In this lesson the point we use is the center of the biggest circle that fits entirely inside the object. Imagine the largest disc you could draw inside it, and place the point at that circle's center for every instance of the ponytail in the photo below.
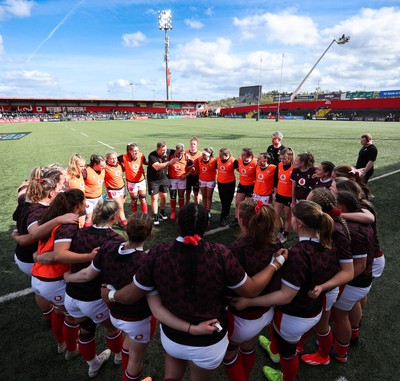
(326, 230)
(312, 217)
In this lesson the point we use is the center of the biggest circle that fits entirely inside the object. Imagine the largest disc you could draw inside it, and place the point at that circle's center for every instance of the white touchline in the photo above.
(14, 295)
(217, 230)
(385, 175)
(104, 144)
(84, 134)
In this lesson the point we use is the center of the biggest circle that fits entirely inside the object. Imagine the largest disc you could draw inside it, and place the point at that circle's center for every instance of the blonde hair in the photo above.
(73, 169)
(43, 181)
(104, 211)
(111, 153)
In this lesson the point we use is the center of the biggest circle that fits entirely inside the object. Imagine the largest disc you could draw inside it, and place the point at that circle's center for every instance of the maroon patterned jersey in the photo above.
(118, 266)
(253, 261)
(27, 214)
(35, 213)
(166, 269)
(304, 182)
(319, 183)
(308, 265)
(369, 207)
(65, 233)
(342, 242)
(362, 245)
(85, 241)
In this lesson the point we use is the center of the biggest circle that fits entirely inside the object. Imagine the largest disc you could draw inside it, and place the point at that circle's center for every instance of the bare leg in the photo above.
(174, 368)
(154, 204)
(200, 374)
(163, 200)
(288, 219)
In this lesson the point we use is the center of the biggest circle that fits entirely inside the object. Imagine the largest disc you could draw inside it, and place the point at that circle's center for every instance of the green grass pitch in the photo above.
(27, 348)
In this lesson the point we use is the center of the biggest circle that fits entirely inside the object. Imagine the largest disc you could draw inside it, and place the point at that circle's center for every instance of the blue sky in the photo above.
(114, 49)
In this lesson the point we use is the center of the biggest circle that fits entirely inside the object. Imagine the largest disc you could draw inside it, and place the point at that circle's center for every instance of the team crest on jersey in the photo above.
(139, 337)
(82, 184)
(260, 176)
(302, 182)
(283, 177)
(58, 298)
(117, 173)
(204, 169)
(243, 171)
(135, 167)
(100, 181)
(222, 168)
(177, 167)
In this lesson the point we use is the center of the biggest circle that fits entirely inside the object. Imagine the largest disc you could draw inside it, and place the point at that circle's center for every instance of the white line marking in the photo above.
(84, 134)
(104, 144)
(14, 295)
(73, 129)
(217, 230)
(385, 175)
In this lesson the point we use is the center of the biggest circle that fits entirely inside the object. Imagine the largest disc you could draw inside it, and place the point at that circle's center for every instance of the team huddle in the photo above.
(212, 300)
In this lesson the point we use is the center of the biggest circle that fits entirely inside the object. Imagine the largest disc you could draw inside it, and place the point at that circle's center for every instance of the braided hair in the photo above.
(327, 201)
(192, 221)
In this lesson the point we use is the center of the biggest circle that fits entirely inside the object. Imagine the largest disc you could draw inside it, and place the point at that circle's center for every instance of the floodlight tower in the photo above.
(340, 41)
(165, 24)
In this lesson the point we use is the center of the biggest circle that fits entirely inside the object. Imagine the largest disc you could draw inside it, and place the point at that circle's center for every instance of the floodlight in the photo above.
(343, 40)
(165, 24)
(165, 20)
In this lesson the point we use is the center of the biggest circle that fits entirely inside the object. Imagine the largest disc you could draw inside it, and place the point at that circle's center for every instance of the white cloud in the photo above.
(17, 8)
(209, 11)
(133, 40)
(372, 53)
(118, 84)
(29, 79)
(151, 12)
(195, 24)
(286, 27)
(371, 30)
(210, 58)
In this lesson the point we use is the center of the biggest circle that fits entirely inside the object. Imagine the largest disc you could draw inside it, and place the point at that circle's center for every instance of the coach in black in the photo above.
(367, 156)
(276, 147)
(157, 179)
